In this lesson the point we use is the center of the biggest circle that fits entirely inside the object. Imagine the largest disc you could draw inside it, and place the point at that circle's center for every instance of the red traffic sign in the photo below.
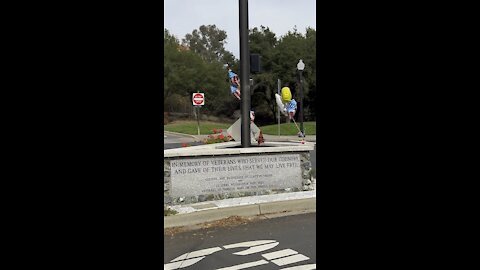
(198, 99)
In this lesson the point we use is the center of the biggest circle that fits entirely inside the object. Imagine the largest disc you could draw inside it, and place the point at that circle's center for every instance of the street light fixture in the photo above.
(301, 67)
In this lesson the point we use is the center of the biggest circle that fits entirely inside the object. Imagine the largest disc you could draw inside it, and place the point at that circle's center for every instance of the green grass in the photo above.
(289, 128)
(190, 127)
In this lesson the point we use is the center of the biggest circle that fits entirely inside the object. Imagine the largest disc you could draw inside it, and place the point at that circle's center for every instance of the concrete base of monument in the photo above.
(214, 172)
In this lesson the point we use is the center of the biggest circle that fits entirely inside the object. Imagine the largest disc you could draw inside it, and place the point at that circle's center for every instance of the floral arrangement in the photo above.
(217, 137)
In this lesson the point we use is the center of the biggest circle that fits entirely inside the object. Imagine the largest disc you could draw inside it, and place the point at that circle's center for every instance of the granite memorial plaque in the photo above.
(229, 174)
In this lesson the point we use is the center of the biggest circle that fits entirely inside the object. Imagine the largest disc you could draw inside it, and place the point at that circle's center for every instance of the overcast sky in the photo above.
(183, 16)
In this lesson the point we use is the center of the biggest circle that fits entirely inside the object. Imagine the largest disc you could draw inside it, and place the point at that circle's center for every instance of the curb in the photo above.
(202, 216)
(308, 141)
(292, 138)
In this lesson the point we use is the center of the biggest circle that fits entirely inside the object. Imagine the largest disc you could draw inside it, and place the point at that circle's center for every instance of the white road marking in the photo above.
(202, 252)
(181, 264)
(244, 265)
(302, 267)
(290, 259)
(279, 254)
(256, 249)
(280, 258)
(249, 244)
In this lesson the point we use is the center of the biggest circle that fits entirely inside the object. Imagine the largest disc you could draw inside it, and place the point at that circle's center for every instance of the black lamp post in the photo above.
(244, 73)
(300, 67)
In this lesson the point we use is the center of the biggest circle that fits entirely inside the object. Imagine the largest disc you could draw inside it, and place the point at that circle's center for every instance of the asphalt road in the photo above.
(287, 242)
(171, 141)
(174, 138)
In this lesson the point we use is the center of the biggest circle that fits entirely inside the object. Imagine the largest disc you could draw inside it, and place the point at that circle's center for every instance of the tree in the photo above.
(263, 42)
(170, 45)
(180, 68)
(292, 47)
(197, 64)
(186, 72)
(209, 41)
(311, 61)
(279, 61)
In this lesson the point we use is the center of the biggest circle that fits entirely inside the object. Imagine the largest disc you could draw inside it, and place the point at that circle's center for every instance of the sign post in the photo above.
(198, 100)
(278, 110)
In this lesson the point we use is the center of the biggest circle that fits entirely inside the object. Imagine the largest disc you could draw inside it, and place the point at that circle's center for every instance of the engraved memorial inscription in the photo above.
(228, 174)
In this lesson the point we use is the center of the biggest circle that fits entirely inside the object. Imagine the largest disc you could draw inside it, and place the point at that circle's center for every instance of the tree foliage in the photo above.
(196, 64)
(279, 61)
(186, 72)
(209, 42)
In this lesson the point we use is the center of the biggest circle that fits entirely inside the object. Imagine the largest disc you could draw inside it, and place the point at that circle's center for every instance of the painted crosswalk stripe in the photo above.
(290, 259)
(279, 254)
(181, 264)
(302, 267)
(249, 244)
(256, 249)
(244, 265)
(202, 252)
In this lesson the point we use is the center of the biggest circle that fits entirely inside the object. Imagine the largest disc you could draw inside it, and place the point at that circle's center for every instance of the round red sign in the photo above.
(198, 99)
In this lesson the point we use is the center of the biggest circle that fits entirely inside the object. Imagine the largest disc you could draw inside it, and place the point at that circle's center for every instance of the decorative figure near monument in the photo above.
(234, 83)
(235, 130)
(235, 88)
(288, 106)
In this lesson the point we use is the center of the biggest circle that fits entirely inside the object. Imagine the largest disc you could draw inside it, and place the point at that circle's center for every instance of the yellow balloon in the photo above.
(286, 94)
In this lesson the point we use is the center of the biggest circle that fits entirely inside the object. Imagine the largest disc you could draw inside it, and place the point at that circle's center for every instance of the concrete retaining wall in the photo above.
(204, 173)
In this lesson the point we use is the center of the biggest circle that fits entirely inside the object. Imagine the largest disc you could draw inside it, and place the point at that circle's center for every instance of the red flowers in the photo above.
(217, 138)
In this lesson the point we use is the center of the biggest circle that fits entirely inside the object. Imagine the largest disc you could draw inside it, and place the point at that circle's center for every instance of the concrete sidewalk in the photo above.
(193, 214)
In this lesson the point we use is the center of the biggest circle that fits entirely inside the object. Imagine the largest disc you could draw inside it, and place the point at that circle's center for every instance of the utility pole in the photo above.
(244, 73)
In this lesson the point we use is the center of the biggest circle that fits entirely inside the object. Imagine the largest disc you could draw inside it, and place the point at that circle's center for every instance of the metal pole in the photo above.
(198, 120)
(278, 109)
(244, 73)
(301, 105)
